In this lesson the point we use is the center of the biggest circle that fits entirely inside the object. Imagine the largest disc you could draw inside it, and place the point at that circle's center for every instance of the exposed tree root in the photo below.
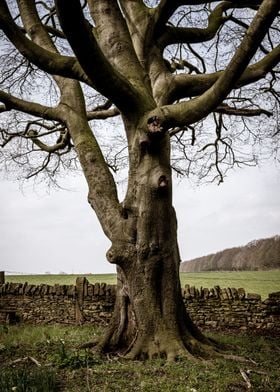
(236, 358)
(91, 344)
(143, 347)
(156, 325)
(172, 349)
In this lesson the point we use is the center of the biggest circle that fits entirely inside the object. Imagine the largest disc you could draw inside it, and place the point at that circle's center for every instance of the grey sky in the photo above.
(56, 232)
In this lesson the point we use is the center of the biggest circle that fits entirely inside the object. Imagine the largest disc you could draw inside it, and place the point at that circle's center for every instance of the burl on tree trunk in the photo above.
(150, 318)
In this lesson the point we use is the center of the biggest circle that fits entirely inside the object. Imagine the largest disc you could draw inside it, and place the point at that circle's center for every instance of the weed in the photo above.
(73, 359)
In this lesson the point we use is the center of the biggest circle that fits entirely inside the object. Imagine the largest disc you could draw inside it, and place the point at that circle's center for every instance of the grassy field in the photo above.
(46, 359)
(260, 282)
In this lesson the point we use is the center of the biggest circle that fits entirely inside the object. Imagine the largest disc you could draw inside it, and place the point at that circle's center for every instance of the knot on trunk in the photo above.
(154, 127)
(90, 158)
(120, 253)
(162, 182)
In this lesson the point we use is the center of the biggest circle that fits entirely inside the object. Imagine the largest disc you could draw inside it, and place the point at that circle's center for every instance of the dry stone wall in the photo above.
(224, 308)
(93, 303)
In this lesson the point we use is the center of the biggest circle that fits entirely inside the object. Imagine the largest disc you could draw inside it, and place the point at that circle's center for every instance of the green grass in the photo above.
(66, 368)
(260, 282)
(25, 379)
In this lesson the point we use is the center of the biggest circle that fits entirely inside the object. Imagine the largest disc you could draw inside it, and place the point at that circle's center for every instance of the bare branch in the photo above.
(62, 142)
(102, 114)
(166, 9)
(48, 61)
(226, 109)
(191, 111)
(193, 85)
(35, 109)
(216, 19)
(42, 168)
(105, 77)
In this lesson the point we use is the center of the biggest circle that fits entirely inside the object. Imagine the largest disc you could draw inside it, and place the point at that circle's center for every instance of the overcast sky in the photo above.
(56, 232)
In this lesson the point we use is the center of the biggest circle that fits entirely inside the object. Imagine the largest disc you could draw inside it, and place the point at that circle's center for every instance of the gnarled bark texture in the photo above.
(150, 318)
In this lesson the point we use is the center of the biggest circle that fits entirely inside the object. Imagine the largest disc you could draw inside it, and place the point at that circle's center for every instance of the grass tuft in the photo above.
(24, 379)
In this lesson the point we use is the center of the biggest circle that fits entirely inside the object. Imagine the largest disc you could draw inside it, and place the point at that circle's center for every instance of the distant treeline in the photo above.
(257, 255)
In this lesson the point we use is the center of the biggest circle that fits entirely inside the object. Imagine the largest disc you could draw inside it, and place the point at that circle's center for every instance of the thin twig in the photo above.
(246, 378)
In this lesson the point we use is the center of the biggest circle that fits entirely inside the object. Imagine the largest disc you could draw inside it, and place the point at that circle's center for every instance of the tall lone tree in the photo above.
(178, 73)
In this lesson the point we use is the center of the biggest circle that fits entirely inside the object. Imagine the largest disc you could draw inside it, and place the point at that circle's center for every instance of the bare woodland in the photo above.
(157, 86)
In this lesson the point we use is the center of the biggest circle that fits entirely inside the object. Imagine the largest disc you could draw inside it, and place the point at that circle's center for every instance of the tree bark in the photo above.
(150, 318)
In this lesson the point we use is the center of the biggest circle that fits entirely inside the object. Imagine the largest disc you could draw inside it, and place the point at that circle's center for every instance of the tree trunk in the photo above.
(150, 318)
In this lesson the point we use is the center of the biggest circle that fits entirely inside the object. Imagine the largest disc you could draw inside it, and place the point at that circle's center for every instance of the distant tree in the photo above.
(180, 76)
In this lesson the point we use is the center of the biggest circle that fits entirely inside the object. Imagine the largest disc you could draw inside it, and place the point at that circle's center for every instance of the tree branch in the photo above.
(50, 62)
(102, 196)
(40, 169)
(51, 30)
(166, 9)
(115, 35)
(188, 112)
(102, 114)
(186, 85)
(172, 35)
(108, 81)
(226, 109)
(35, 109)
(72, 113)
(55, 32)
(62, 142)
(139, 21)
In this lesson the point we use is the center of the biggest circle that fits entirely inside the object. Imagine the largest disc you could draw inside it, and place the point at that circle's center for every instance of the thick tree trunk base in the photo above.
(163, 345)
(150, 319)
(156, 338)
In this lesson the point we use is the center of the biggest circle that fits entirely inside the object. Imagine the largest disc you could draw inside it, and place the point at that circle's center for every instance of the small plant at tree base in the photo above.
(73, 359)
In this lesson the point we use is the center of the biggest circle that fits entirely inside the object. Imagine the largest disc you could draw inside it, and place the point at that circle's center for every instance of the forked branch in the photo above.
(50, 62)
(188, 112)
(107, 80)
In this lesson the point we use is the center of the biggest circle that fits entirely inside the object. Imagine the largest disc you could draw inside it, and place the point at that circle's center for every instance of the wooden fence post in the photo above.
(2, 277)
(80, 293)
